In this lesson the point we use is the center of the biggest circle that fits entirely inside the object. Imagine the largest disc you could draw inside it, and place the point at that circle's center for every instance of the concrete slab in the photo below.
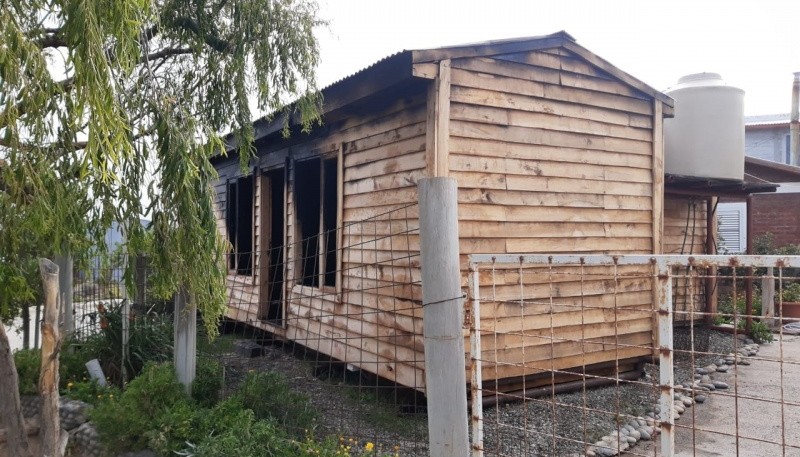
(752, 406)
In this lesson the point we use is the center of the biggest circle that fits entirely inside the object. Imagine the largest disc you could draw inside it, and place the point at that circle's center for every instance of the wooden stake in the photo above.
(51, 345)
(445, 378)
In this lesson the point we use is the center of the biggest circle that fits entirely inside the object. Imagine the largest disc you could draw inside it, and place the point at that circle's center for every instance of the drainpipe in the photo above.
(794, 124)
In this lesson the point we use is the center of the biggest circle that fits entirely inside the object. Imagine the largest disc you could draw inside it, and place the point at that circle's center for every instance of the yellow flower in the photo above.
(69, 385)
(369, 446)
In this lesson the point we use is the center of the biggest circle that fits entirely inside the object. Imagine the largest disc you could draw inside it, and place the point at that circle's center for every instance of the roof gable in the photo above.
(401, 67)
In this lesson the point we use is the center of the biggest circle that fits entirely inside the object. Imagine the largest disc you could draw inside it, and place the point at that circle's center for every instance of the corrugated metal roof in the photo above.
(766, 119)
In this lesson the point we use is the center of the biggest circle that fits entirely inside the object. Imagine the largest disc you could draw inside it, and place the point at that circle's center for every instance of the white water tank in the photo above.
(705, 139)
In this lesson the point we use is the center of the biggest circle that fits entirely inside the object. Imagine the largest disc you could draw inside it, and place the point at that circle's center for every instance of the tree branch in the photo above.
(213, 41)
(51, 41)
(167, 52)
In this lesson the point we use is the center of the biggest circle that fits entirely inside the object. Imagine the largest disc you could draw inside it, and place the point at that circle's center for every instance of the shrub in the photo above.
(237, 429)
(153, 412)
(760, 332)
(90, 392)
(28, 363)
(791, 292)
(207, 385)
(726, 306)
(270, 397)
(150, 340)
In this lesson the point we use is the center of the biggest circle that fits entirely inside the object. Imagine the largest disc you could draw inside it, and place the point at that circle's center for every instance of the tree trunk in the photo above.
(26, 327)
(11, 417)
(48, 377)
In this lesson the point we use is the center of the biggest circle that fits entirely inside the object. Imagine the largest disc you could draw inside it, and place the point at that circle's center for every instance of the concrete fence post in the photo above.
(185, 354)
(445, 374)
(65, 284)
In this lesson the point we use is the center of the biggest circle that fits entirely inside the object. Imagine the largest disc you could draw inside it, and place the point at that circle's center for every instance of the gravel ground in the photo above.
(397, 421)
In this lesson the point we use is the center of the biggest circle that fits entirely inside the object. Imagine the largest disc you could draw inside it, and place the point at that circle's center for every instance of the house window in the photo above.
(239, 220)
(316, 207)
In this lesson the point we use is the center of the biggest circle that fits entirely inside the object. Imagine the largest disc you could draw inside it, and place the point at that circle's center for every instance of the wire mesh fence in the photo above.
(634, 355)
(337, 311)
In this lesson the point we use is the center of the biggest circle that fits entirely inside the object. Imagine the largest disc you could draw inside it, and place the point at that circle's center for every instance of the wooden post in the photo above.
(748, 280)
(185, 355)
(445, 376)
(140, 279)
(711, 272)
(65, 272)
(126, 330)
(48, 376)
(11, 417)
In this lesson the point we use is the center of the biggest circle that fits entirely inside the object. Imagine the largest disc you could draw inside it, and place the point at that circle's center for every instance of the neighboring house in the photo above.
(767, 137)
(777, 213)
(554, 150)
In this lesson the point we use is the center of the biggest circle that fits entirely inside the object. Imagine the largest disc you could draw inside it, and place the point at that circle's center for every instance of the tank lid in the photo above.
(701, 80)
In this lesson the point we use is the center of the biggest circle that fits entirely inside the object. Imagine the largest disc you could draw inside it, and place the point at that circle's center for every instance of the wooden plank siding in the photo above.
(552, 155)
(553, 152)
(685, 233)
(372, 320)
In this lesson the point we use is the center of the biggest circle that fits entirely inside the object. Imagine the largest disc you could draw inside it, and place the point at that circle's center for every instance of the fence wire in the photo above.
(339, 314)
(601, 355)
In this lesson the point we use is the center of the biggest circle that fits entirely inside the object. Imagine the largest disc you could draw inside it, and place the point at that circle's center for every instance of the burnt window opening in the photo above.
(316, 205)
(239, 220)
(272, 225)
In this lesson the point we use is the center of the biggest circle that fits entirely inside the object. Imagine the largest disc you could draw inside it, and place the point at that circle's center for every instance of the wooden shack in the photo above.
(554, 150)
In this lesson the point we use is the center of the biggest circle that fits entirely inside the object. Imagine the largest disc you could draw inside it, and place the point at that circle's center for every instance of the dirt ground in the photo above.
(765, 426)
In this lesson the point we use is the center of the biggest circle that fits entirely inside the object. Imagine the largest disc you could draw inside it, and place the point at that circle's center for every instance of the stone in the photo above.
(743, 362)
(700, 398)
(688, 401)
(711, 368)
(72, 413)
(709, 386)
(701, 371)
(605, 451)
(722, 368)
(631, 439)
(720, 385)
(248, 348)
(705, 378)
(636, 434)
(646, 436)
(590, 453)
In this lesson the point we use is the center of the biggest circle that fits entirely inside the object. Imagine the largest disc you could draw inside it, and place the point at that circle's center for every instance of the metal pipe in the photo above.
(476, 371)
(662, 282)
(748, 280)
(794, 123)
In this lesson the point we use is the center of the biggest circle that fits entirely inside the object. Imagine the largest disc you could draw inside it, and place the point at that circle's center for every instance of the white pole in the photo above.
(662, 282)
(64, 262)
(768, 296)
(476, 370)
(445, 375)
(185, 356)
(794, 122)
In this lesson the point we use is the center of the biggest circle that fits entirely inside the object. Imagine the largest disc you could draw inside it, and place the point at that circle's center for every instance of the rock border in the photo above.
(686, 394)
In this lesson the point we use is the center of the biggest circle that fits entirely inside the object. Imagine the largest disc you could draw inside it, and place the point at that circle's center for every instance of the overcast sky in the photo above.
(754, 45)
